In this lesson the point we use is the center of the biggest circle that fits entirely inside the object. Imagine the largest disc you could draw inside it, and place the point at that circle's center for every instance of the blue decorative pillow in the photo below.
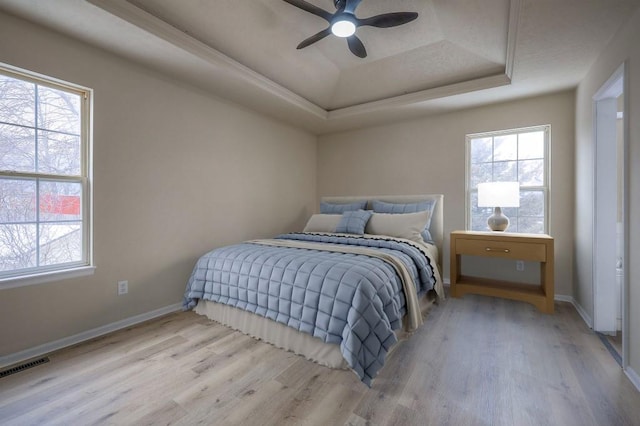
(384, 207)
(331, 208)
(354, 222)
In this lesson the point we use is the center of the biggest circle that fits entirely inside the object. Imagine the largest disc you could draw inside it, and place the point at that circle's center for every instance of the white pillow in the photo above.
(404, 225)
(323, 223)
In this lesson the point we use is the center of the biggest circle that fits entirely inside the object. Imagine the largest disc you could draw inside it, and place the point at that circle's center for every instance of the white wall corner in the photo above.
(46, 348)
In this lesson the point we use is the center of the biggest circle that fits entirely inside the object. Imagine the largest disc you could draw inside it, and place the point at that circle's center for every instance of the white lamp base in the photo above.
(497, 221)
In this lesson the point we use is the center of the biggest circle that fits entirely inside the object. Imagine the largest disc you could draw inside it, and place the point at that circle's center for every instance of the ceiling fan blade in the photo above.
(356, 47)
(316, 37)
(311, 9)
(388, 20)
(351, 5)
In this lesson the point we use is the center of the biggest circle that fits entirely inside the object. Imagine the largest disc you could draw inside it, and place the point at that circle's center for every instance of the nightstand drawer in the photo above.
(506, 249)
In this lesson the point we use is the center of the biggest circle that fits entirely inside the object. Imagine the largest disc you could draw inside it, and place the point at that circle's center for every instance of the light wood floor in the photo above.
(477, 361)
(616, 342)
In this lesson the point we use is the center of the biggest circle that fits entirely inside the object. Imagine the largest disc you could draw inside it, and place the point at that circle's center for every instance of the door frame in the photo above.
(615, 86)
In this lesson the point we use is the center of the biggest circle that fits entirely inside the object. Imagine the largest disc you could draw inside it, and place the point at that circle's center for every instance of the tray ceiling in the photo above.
(447, 44)
(457, 54)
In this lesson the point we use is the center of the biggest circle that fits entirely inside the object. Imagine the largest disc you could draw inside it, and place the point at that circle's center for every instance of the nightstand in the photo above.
(532, 247)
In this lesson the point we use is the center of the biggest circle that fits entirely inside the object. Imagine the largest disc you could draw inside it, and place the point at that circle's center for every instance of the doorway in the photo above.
(610, 209)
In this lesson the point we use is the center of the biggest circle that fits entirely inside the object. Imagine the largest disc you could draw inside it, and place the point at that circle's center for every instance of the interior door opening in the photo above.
(610, 221)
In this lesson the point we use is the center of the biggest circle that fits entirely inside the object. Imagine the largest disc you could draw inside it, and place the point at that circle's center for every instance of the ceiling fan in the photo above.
(343, 22)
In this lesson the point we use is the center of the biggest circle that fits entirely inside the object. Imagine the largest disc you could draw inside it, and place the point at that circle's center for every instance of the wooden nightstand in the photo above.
(533, 247)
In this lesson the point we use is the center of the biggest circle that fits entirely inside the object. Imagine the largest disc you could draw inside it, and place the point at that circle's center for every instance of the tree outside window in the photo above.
(519, 155)
(43, 175)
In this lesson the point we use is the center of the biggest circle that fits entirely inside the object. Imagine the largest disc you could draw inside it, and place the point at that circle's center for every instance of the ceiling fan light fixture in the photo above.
(344, 23)
(343, 27)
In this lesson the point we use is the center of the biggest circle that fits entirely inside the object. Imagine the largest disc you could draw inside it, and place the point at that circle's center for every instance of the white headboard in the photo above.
(437, 221)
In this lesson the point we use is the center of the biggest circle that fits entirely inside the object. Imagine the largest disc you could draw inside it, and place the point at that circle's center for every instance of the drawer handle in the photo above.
(500, 250)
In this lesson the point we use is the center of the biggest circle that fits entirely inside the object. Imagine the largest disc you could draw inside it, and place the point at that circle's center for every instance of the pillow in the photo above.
(408, 225)
(354, 222)
(322, 223)
(429, 205)
(330, 208)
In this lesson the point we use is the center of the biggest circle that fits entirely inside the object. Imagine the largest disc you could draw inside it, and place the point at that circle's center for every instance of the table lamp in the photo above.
(498, 195)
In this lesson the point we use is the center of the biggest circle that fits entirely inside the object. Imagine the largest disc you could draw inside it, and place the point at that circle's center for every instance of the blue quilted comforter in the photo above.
(353, 300)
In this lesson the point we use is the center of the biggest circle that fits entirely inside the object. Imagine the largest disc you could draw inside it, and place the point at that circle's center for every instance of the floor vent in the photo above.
(22, 367)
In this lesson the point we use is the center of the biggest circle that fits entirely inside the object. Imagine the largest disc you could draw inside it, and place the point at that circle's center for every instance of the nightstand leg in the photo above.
(546, 276)
(454, 272)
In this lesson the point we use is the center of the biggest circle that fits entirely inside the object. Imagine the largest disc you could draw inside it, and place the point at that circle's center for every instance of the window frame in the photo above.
(85, 266)
(546, 128)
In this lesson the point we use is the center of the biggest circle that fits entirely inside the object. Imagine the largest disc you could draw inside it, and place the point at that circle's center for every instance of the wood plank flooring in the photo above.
(476, 361)
(616, 342)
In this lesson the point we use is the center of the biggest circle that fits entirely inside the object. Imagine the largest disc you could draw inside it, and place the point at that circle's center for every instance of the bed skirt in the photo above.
(282, 336)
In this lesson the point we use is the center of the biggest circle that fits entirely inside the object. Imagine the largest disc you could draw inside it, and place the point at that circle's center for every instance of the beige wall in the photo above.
(623, 47)
(176, 173)
(428, 156)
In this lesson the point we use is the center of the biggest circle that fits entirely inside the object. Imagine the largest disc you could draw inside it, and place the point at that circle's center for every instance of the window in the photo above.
(520, 155)
(44, 176)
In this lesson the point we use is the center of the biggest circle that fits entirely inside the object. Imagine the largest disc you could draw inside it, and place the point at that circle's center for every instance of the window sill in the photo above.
(44, 277)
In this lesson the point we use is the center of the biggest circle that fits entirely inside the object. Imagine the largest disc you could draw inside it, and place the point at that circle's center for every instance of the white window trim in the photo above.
(44, 277)
(547, 169)
(86, 266)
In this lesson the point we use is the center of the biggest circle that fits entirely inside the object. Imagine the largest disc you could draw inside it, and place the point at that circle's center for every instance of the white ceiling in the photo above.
(458, 53)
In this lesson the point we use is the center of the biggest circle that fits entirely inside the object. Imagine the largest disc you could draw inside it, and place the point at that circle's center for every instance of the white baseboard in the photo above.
(563, 298)
(84, 336)
(633, 377)
(585, 317)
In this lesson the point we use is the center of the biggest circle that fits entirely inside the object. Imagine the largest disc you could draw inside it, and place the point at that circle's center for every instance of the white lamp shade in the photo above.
(499, 194)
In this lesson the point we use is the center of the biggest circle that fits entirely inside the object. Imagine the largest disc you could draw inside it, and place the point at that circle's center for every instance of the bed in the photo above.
(342, 292)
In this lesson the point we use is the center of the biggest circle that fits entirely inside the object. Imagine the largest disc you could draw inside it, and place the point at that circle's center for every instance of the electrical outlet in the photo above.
(123, 287)
(519, 265)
